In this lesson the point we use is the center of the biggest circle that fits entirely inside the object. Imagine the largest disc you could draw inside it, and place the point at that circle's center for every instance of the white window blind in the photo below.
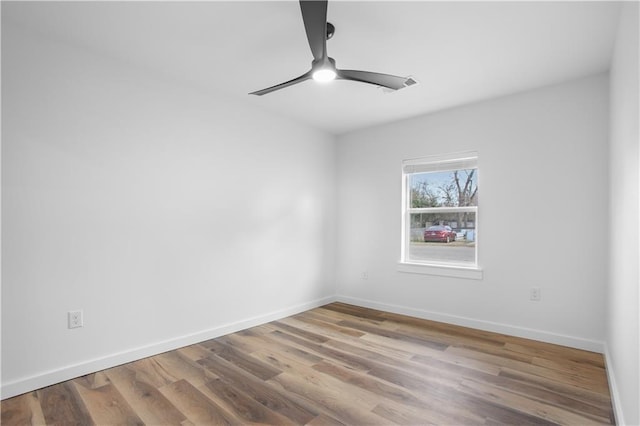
(440, 164)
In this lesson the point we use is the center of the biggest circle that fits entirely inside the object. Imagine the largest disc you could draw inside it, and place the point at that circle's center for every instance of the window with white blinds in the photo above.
(440, 210)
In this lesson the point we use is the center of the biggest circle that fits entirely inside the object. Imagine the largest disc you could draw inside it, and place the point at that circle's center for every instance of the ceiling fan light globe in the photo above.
(324, 75)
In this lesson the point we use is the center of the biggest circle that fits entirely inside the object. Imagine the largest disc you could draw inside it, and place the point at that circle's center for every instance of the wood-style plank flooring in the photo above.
(338, 364)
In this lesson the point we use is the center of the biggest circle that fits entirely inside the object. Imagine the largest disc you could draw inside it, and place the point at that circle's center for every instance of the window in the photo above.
(440, 211)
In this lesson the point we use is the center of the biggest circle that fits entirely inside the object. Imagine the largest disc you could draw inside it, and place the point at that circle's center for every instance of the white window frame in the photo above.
(439, 163)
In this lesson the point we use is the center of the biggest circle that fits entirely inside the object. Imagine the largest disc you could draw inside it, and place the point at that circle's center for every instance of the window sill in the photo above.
(471, 273)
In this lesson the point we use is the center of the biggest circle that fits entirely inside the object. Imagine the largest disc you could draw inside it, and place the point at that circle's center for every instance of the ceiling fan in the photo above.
(323, 68)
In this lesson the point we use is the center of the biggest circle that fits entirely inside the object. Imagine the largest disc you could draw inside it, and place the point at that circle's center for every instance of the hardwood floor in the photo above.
(338, 364)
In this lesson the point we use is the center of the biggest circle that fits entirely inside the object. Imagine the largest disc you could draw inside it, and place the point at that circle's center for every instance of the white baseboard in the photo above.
(48, 378)
(527, 333)
(613, 388)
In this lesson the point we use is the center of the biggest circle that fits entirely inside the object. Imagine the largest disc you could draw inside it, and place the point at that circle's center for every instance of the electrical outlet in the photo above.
(535, 294)
(75, 319)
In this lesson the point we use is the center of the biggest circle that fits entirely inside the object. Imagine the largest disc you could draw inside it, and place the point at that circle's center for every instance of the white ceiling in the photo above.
(460, 52)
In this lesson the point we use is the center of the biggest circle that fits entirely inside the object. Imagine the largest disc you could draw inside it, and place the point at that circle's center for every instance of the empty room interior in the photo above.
(197, 230)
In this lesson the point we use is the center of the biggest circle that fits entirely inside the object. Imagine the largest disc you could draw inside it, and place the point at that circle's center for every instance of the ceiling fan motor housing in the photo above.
(330, 30)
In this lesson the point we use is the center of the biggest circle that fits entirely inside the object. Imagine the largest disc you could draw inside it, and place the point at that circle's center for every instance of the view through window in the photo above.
(441, 210)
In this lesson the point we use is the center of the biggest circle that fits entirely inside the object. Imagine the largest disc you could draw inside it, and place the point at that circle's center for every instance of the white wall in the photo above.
(168, 216)
(543, 193)
(623, 332)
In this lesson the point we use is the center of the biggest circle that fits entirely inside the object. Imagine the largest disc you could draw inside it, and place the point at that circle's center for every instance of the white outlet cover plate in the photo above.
(74, 319)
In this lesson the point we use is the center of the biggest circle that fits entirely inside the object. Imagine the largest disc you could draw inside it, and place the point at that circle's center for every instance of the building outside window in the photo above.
(440, 210)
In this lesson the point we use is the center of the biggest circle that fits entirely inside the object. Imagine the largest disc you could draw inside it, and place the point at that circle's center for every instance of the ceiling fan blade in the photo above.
(384, 80)
(314, 16)
(296, 80)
